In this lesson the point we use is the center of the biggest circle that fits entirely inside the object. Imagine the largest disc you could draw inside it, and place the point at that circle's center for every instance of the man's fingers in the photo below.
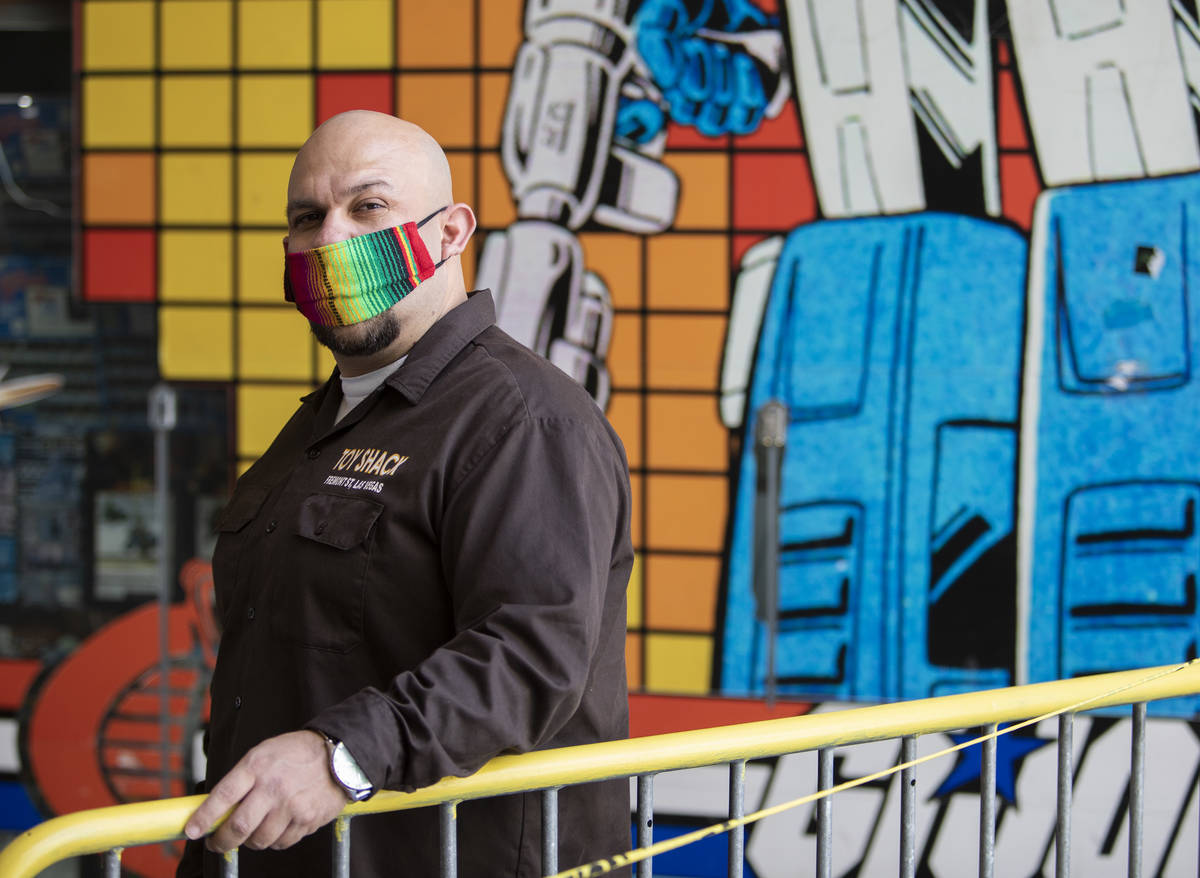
(224, 796)
(275, 824)
(242, 823)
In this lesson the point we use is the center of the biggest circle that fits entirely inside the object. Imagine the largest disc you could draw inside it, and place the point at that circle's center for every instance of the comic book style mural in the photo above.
(952, 237)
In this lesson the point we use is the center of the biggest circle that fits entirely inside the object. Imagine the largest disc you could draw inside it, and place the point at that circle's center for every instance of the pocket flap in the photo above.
(242, 508)
(341, 522)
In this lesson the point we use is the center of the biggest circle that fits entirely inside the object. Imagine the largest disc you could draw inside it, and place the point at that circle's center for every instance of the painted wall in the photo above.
(953, 238)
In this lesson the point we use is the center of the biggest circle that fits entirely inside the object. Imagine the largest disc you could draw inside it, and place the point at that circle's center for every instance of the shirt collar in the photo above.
(441, 343)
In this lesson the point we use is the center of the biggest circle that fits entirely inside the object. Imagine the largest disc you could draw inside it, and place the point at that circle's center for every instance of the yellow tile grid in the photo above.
(684, 352)
(273, 344)
(617, 258)
(678, 663)
(195, 343)
(501, 24)
(440, 34)
(625, 414)
(262, 187)
(625, 351)
(274, 109)
(685, 432)
(688, 272)
(195, 265)
(262, 409)
(354, 34)
(633, 594)
(703, 189)
(260, 265)
(493, 96)
(118, 35)
(118, 111)
(495, 208)
(196, 34)
(686, 512)
(195, 188)
(274, 34)
(196, 111)
(441, 103)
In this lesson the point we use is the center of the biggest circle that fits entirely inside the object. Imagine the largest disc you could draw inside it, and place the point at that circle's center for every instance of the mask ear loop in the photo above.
(437, 265)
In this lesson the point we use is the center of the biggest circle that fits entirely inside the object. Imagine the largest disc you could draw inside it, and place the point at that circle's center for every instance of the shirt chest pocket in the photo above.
(232, 534)
(317, 598)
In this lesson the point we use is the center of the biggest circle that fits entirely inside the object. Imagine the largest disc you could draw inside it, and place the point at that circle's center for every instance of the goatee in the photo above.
(360, 340)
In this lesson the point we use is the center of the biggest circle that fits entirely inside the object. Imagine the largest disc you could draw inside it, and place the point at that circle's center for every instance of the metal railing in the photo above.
(109, 830)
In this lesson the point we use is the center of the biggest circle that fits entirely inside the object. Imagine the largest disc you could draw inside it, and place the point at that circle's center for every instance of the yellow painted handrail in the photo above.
(120, 826)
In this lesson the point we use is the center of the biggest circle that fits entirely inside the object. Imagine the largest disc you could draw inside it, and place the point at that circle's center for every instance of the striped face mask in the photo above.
(354, 280)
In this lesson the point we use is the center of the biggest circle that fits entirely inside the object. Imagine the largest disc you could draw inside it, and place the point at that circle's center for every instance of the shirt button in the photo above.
(314, 453)
(250, 613)
(272, 526)
(320, 528)
(237, 702)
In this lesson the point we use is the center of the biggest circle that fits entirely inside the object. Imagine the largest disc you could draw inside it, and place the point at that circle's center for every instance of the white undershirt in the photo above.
(358, 388)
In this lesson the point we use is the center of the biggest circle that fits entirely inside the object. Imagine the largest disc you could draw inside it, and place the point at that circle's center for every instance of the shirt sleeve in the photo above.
(530, 537)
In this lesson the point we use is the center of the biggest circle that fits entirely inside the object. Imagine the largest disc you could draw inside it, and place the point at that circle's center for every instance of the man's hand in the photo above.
(280, 791)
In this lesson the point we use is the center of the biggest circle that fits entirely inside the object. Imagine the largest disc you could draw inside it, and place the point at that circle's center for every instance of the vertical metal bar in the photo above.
(908, 808)
(987, 806)
(645, 817)
(112, 863)
(1066, 772)
(448, 832)
(341, 847)
(1137, 789)
(737, 809)
(161, 415)
(550, 831)
(770, 436)
(229, 864)
(825, 814)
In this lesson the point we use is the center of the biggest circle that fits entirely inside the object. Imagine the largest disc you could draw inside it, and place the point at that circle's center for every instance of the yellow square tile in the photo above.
(196, 34)
(262, 187)
(354, 34)
(493, 95)
(274, 110)
(179, 356)
(501, 26)
(686, 512)
(440, 34)
(687, 272)
(195, 265)
(617, 258)
(118, 111)
(684, 352)
(633, 594)
(196, 188)
(703, 189)
(118, 35)
(274, 34)
(260, 266)
(684, 432)
(495, 209)
(325, 362)
(262, 409)
(196, 111)
(441, 103)
(678, 664)
(273, 343)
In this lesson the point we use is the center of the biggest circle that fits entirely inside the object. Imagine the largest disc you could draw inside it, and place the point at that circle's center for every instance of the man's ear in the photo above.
(285, 240)
(457, 229)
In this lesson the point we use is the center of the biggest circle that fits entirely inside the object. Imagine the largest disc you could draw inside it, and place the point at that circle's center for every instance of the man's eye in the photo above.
(304, 219)
(370, 205)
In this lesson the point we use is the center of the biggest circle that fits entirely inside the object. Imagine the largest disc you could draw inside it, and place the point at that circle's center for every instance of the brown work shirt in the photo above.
(434, 580)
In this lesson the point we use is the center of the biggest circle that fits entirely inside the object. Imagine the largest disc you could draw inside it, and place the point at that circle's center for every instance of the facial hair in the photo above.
(360, 340)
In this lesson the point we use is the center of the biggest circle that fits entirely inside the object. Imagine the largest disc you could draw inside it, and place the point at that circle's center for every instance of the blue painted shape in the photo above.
(967, 772)
(895, 342)
(1113, 415)
(17, 812)
(706, 858)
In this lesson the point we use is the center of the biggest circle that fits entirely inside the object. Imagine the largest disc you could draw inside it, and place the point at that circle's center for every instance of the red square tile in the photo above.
(1010, 121)
(119, 265)
(782, 132)
(740, 244)
(687, 137)
(338, 92)
(772, 191)
(1019, 188)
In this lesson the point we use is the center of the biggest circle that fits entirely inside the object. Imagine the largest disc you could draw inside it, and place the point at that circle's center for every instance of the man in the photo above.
(428, 566)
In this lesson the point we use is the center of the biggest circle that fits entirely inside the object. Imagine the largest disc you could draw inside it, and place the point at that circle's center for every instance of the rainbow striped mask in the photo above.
(354, 280)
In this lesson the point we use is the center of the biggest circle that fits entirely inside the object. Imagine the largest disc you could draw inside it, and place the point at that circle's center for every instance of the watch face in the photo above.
(348, 772)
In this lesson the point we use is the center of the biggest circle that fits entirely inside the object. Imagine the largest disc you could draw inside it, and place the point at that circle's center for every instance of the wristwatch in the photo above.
(346, 771)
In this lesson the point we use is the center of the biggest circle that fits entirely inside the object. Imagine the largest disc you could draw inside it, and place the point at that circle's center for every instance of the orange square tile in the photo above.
(685, 512)
(684, 431)
(688, 272)
(703, 189)
(617, 258)
(462, 176)
(684, 352)
(495, 208)
(440, 34)
(493, 95)
(637, 491)
(625, 352)
(633, 660)
(118, 188)
(501, 26)
(470, 261)
(441, 103)
(681, 592)
(625, 415)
